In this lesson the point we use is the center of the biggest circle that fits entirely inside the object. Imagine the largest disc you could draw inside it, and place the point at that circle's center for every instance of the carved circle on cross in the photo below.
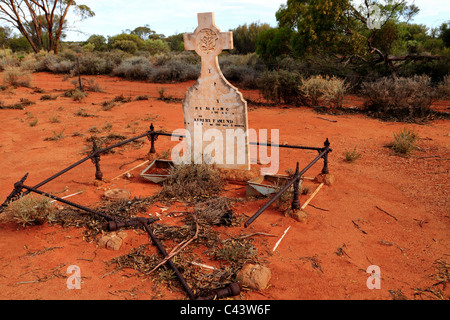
(206, 40)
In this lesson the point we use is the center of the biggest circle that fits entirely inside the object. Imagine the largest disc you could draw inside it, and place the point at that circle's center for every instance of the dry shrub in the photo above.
(120, 209)
(399, 99)
(95, 63)
(87, 85)
(443, 89)
(174, 71)
(134, 68)
(190, 181)
(24, 102)
(216, 211)
(335, 92)
(236, 251)
(75, 94)
(31, 210)
(313, 89)
(17, 77)
(320, 90)
(8, 59)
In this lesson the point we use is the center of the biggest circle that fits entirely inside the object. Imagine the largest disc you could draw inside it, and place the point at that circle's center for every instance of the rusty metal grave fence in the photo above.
(20, 189)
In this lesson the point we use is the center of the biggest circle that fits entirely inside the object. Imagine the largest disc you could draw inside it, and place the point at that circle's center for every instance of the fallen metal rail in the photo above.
(113, 221)
(114, 224)
(284, 146)
(293, 181)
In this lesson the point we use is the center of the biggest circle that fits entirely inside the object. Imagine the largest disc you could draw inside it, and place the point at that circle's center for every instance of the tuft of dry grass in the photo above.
(351, 156)
(56, 136)
(31, 210)
(405, 142)
(17, 77)
(75, 94)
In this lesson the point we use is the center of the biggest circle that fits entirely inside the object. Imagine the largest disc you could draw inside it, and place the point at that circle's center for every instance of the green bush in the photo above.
(245, 76)
(185, 57)
(281, 86)
(435, 69)
(156, 46)
(125, 45)
(399, 99)
(98, 41)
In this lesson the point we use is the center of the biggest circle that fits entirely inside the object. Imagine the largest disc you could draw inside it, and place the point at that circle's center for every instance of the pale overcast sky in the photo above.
(179, 16)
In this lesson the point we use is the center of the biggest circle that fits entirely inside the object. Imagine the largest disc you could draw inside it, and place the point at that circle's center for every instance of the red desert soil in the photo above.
(406, 244)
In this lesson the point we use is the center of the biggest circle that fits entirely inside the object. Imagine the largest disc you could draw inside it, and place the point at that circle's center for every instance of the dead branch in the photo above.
(250, 235)
(358, 227)
(386, 213)
(327, 119)
(178, 248)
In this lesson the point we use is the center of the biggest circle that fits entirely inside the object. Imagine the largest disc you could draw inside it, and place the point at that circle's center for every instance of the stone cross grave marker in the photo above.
(215, 113)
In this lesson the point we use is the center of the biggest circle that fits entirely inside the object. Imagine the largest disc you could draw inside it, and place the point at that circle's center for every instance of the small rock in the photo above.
(114, 243)
(117, 194)
(254, 276)
(328, 179)
(299, 215)
(103, 241)
(122, 234)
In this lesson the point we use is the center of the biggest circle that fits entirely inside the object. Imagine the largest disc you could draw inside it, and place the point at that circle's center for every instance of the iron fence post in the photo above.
(325, 169)
(296, 201)
(96, 161)
(152, 137)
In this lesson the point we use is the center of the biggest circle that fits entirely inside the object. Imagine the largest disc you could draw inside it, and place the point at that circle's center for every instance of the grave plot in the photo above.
(209, 210)
(212, 108)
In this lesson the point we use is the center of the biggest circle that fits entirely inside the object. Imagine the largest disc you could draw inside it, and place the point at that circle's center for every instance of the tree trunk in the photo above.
(22, 28)
(36, 24)
(60, 27)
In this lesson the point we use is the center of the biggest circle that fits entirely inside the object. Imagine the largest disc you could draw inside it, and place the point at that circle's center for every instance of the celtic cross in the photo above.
(208, 42)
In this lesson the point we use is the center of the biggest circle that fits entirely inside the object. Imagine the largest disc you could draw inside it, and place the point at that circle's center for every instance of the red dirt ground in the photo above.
(406, 244)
